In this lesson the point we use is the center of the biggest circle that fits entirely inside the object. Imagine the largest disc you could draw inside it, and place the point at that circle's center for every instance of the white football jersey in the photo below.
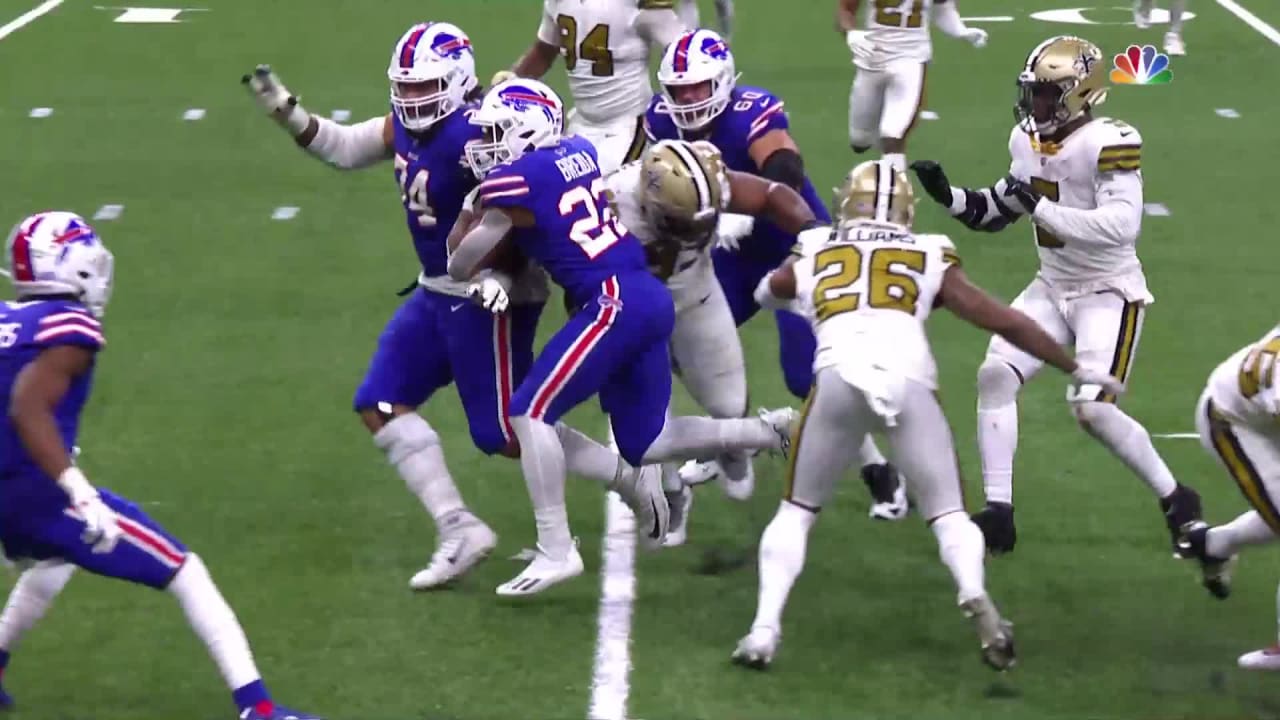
(606, 58)
(899, 29)
(1069, 173)
(1245, 387)
(869, 295)
(689, 274)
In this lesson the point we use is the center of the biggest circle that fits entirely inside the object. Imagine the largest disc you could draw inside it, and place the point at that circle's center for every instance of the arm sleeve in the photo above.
(983, 209)
(658, 24)
(1114, 222)
(947, 18)
(350, 147)
(784, 166)
(548, 31)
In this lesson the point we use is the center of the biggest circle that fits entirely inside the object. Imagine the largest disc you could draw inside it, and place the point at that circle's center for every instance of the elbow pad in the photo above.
(784, 166)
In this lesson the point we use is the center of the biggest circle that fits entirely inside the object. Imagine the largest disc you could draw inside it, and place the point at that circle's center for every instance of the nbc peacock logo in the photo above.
(1141, 66)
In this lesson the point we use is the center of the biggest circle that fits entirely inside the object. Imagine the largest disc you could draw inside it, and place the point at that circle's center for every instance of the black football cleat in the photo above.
(996, 522)
(1181, 507)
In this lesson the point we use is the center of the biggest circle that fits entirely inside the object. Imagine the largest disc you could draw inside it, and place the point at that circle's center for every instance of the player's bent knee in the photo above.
(490, 440)
(998, 383)
(375, 415)
(1092, 414)
(405, 435)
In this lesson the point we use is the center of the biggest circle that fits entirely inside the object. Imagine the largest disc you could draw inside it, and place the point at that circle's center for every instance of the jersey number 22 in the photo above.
(599, 229)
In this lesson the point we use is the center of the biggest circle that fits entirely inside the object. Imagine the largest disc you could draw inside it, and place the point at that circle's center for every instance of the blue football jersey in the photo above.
(433, 176)
(752, 113)
(27, 329)
(575, 236)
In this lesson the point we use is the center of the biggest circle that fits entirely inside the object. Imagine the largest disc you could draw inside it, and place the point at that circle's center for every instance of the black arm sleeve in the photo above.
(784, 166)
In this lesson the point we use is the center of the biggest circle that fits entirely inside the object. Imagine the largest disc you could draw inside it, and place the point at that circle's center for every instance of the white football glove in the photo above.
(731, 228)
(489, 293)
(501, 76)
(1086, 376)
(276, 100)
(860, 45)
(101, 530)
(976, 37)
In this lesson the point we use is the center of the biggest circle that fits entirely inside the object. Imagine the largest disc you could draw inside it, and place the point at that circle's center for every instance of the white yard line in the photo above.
(28, 17)
(1175, 436)
(611, 671)
(1251, 20)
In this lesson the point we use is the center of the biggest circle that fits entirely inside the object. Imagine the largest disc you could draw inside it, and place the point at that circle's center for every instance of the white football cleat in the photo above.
(994, 632)
(1173, 44)
(464, 542)
(641, 490)
(757, 649)
(1265, 659)
(1142, 14)
(740, 489)
(784, 422)
(696, 472)
(680, 503)
(543, 572)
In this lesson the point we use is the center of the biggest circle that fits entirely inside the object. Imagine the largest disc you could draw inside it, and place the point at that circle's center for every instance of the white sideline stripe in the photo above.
(28, 17)
(1177, 436)
(611, 670)
(1251, 20)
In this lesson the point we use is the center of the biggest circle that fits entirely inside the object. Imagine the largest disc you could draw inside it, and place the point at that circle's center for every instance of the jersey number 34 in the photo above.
(599, 229)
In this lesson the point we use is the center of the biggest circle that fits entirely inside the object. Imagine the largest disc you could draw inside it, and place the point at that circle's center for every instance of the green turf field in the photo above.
(236, 342)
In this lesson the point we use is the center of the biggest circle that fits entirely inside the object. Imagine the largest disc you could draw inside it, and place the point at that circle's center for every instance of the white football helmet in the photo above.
(695, 58)
(57, 253)
(432, 70)
(518, 115)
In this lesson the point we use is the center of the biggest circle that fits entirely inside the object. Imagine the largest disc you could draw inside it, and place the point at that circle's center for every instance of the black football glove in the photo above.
(1021, 195)
(934, 181)
(996, 522)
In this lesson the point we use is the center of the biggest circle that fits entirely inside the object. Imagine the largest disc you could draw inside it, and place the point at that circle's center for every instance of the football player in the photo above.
(543, 193)
(891, 52)
(688, 12)
(606, 46)
(437, 337)
(1079, 178)
(51, 519)
(701, 100)
(1173, 38)
(1238, 419)
(868, 284)
(671, 200)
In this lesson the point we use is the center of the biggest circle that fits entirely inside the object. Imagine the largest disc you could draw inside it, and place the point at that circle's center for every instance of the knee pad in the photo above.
(404, 436)
(998, 384)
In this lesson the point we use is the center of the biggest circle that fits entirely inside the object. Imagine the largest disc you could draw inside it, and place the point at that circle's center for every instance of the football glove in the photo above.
(276, 100)
(976, 37)
(501, 76)
(860, 45)
(731, 228)
(101, 530)
(934, 181)
(1024, 197)
(996, 523)
(490, 294)
(1086, 376)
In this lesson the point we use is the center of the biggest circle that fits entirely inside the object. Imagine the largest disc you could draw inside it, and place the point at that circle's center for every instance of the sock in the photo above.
(782, 550)
(1129, 441)
(671, 482)
(1176, 8)
(216, 624)
(869, 453)
(687, 11)
(1249, 528)
(735, 465)
(962, 549)
(588, 458)
(689, 437)
(998, 385)
(413, 448)
(253, 695)
(29, 600)
(542, 460)
(897, 160)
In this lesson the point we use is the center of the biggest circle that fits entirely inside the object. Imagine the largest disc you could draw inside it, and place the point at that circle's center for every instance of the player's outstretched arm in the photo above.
(657, 23)
(972, 304)
(947, 17)
(756, 196)
(988, 209)
(347, 147)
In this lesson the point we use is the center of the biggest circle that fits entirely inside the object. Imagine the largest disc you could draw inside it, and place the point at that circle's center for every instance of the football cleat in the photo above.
(543, 573)
(737, 478)
(1267, 658)
(784, 422)
(1181, 507)
(994, 632)
(757, 649)
(1142, 14)
(996, 523)
(1173, 44)
(464, 542)
(1215, 572)
(680, 502)
(641, 490)
(888, 495)
(697, 472)
(275, 712)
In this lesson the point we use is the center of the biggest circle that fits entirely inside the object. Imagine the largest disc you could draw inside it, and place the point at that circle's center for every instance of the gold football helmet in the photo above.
(1063, 78)
(875, 190)
(683, 187)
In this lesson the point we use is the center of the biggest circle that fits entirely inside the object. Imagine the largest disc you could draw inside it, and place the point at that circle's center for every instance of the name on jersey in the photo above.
(576, 165)
(864, 234)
